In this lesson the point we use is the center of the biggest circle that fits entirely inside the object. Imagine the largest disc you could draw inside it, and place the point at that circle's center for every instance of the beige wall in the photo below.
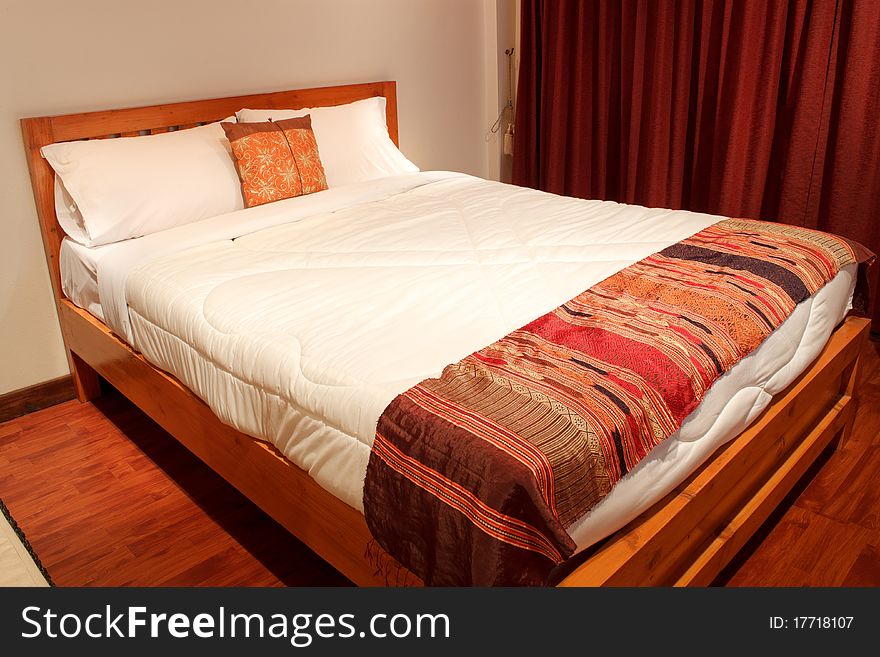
(500, 34)
(63, 56)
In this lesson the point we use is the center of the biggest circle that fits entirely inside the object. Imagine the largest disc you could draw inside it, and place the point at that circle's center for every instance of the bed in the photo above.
(684, 538)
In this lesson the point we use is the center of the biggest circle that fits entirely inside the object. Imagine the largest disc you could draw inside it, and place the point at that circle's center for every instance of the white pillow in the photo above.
(68, 214)
(353, 140)
(115, 189)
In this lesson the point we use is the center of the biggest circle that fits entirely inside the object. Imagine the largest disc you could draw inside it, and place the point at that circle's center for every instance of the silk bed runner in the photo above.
(474, 476)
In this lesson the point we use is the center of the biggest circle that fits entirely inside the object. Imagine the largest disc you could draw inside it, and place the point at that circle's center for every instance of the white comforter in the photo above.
(299, 321)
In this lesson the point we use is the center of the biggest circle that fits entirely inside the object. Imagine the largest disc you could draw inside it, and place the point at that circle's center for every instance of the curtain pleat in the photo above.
(741, 108)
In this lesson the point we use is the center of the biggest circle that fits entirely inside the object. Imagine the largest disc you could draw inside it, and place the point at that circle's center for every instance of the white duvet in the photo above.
(299, 321)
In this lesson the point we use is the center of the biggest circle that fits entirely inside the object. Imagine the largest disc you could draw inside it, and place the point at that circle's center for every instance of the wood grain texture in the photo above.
(131, 122)
(827, 532)
(701, 523)
(329, 526)
(134, 120)
(36, 397)
(40, 131)
(287, 493)
(688, 537)
(657, 548)
(108, 498)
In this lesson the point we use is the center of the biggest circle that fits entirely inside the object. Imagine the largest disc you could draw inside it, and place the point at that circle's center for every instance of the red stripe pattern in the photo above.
(475, 476)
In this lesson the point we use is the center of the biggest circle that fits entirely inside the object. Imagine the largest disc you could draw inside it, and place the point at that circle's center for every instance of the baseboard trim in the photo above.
(33, 398)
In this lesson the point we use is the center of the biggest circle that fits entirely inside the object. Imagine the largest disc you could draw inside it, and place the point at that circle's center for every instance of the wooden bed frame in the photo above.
(685, 539)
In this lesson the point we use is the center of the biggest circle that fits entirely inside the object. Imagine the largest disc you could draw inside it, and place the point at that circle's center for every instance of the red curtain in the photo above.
(743, 108)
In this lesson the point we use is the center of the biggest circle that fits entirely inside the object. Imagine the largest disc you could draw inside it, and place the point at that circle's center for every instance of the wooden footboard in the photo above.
(334, 530)
(688, 537)
(684, 539)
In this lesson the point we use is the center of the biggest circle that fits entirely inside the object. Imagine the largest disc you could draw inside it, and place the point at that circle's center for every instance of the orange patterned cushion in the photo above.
(276, 159)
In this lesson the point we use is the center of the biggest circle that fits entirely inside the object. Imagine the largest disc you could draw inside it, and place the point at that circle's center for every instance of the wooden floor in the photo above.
(107, 498)
(828, 531)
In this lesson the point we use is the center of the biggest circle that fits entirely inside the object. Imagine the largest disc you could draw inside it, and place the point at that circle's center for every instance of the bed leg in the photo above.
(85, 379)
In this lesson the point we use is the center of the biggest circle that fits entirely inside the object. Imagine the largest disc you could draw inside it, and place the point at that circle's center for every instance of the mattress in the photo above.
(299, 321)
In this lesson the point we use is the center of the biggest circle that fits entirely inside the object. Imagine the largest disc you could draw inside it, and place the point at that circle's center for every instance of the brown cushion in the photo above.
(276, 159)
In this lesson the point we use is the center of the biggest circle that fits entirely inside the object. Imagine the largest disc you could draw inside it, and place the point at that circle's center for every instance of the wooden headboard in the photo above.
(138, 121)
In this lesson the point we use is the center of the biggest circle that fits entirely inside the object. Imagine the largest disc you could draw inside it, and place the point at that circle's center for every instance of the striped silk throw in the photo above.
(474, 476)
